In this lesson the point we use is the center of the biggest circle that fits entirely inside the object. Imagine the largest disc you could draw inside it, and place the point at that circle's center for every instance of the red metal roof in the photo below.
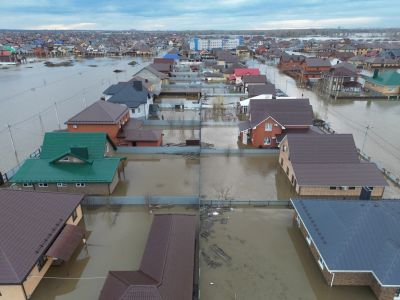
(243, 71)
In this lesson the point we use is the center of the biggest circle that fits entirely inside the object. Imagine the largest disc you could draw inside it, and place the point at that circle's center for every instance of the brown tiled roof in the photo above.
(288, 112)
(100, 112)
(29, 223)
(166, 270)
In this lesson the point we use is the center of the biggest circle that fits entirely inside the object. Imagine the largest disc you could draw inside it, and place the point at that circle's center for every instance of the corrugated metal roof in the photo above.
(356, 235)
(100, 112)
(42, 170)
(322, 148)
(29, 223)
(168, 260)
(66, 243)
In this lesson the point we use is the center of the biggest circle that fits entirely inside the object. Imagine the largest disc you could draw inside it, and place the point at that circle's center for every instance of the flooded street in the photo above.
(116, 238)
(272, 264)
(30, 89)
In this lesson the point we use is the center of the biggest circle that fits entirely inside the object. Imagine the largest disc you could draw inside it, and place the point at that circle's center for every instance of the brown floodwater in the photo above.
(265, 258)
(160, 175)
(116, 238)
(220, 136)
(236, 177)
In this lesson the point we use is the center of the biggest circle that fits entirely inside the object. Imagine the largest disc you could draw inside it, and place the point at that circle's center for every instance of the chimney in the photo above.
(376, 72)
(137, 84)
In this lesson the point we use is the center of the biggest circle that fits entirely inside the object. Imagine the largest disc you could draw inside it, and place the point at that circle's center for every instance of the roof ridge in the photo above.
(8, 262)
(103, 108)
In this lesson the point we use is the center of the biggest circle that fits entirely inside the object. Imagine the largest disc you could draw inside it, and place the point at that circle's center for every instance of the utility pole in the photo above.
(12, 143)
(41, 123)
(365, 137)
(58, 118)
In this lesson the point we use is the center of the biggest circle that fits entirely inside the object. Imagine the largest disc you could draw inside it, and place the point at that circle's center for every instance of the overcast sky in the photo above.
(199, 14)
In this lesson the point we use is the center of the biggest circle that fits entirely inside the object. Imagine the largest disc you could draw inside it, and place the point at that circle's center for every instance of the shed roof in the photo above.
(29, 223)
(166, 270)
(100, 112)
(355, 235)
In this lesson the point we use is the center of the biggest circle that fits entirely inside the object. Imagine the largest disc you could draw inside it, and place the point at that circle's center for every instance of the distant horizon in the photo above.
(174, 15)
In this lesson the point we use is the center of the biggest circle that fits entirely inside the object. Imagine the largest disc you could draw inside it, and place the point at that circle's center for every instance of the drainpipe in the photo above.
(333, 278)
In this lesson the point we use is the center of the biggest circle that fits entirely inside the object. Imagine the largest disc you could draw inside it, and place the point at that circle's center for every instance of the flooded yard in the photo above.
(236, 177)
(160, 175)
(220, 136)
(116, 238)
(273, 262)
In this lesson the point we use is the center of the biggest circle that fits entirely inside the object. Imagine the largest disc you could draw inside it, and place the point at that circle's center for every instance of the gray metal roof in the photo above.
(100, 112)
(355, 235)
(132, 93)
(29, 223)
(317, 62)
(257, 89)
(254, 79)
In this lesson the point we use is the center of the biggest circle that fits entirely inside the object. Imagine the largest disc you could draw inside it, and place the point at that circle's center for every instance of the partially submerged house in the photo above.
(355, 243)
(270, 120)
(384, 83)
(328, 165)
(101, 116)
(73, 162)
(36, 229)
(167, 267)
(156, 78)
(134, 94)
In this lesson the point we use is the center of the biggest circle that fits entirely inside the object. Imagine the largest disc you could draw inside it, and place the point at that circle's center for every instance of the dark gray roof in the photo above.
(339, 174)
(137, 135)
(322, 148)
(355, 235)
(100, 112)
(132, 93)
(317, 62)
(164, 68)
(29, 223)
(330, 160)
(258, 89)
(248, 79)
(288, 112)
(167, 266)
(227, 57)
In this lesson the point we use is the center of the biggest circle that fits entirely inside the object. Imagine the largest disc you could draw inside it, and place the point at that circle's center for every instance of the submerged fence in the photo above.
(180, 200)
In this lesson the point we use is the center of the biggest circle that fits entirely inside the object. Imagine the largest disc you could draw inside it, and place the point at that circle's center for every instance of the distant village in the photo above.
(337, 196)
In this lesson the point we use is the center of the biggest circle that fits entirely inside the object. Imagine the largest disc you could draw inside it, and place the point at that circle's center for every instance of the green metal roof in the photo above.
(56, 144)
(43, 170)
(388, 78)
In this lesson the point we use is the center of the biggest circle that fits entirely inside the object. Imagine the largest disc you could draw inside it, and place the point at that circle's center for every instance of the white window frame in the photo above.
(61, 184)
(80, 184)
(269, 139)
(321, 263)
(268, 126)
(308, 239)
(43, 185)
(27, 184)
(74, 126)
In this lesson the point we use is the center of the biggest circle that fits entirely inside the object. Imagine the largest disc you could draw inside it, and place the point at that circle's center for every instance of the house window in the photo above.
(74, 126)
(138, 109)
(133, 110)
(43, 185)
(298, 220)
(371, 188)
(332, 187)
(397, 294)
(80, 184)
(61, 184)
(352, 187)
(308, 239)
(41, 262)
(74, 215)
(284, 148)
(344, 188)
(66, 158)
(268, 127)
(267, 141)
(28, 184)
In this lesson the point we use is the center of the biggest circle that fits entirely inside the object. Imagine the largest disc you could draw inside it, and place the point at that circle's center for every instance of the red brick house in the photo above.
(313, 68)
(101, 116)
(271, 119)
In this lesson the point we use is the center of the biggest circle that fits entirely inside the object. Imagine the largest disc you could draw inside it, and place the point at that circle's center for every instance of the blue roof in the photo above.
(355, 235)
(171, 56)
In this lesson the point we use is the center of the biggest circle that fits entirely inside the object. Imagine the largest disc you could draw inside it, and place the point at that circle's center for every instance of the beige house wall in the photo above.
(34, 278)
(12, 292)
(89, 189)
(79, 216)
